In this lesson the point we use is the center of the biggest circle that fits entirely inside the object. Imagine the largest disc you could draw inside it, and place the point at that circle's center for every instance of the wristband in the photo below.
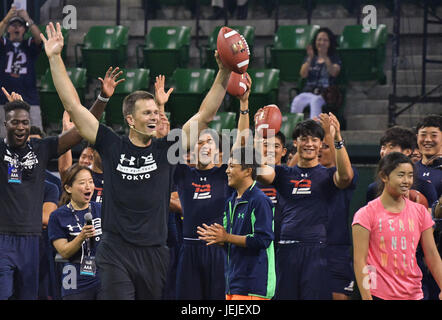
(244, 111)
(339, 144)
(102, 99)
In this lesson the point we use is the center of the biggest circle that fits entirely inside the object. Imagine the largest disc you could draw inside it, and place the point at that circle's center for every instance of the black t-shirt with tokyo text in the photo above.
(138, 186)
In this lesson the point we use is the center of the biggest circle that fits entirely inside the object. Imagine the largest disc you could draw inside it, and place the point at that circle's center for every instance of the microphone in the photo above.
(88, 220)
(143, 133)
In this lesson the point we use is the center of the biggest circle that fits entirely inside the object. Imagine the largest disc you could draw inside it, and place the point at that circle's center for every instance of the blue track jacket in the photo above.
(250, 270)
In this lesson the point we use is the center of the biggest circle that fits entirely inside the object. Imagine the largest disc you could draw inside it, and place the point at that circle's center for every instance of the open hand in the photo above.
(110, 82)
(161, 96)
(54, 43)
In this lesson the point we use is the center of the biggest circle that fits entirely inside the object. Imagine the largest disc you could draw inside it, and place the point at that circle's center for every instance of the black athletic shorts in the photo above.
(130, 272)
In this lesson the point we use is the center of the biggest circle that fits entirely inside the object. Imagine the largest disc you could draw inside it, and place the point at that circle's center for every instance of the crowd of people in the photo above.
(152, 215)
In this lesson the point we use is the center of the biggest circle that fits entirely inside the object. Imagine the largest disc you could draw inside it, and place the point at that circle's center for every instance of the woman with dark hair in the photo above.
(321, 67)
(74, 238)
(386, 233)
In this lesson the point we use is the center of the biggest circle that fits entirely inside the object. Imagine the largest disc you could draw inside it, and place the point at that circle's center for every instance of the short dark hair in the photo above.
(308, 127)
(281, 138)
(36, 131)
(16, 104)
(387, 164)
(433, 120)
(398, 136)
(331, 37)
(247, 158)
(130, 100)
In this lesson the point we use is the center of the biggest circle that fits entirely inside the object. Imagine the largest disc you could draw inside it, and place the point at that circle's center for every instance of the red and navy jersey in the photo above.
(434, 175)
(17, 69)
(203, 194)
(338, 229)
(97, 196)
(270, 191)
(307, 194)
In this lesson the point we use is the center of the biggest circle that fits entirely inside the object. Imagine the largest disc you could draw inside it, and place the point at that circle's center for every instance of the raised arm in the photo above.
(243, 122)
(72, 136)
(35, 31)
(65, 160)
(4, 23)
(209, 106)
(84, 120)
(344, 172)
(265, 173)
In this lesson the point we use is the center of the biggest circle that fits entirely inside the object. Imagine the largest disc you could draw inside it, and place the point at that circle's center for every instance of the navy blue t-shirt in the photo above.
(55, 180)
(51, 193)
(17, 69)
(430, 174)
(64, 225)
(270, 191)
(338, 232)
(98, 178)
(203, 194)
(307, 194)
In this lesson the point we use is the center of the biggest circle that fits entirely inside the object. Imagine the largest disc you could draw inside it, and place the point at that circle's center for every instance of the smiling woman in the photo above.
(74, 236)
(386, 233)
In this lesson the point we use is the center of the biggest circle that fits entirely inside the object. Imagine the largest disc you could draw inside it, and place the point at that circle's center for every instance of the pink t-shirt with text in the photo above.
(394, 237)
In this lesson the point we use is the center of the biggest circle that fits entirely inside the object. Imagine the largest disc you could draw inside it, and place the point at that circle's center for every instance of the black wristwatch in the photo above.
(244, 111)
(339, 144)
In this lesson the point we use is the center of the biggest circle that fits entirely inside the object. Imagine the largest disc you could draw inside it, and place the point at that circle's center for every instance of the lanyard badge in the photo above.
(14, 173)
(87, 264)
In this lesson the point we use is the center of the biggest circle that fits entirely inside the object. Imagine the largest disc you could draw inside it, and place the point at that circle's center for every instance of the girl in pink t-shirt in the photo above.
(386, 233)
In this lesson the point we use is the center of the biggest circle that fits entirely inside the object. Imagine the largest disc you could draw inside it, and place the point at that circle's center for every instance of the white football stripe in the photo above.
(229, 34)
(243, 63)
(242, 85)
(262, 126)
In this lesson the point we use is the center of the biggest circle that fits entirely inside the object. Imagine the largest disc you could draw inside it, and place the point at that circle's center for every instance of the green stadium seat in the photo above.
(289, 122)
(136, 79)
(288, 51)
(165, 49)
(207, 58)
(190, 88)
(223, 120)
(265, 89)
(103, 47)
(42, 63)
(50, 104)
(369, 47)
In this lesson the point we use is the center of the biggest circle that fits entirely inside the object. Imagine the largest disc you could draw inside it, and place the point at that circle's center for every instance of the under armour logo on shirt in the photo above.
(304, 175)
(426, 174)
(123, 158)
(203, 178)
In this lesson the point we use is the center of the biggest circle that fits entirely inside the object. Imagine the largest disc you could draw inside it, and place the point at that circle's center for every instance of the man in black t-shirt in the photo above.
(133, 256)
(22, 174)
